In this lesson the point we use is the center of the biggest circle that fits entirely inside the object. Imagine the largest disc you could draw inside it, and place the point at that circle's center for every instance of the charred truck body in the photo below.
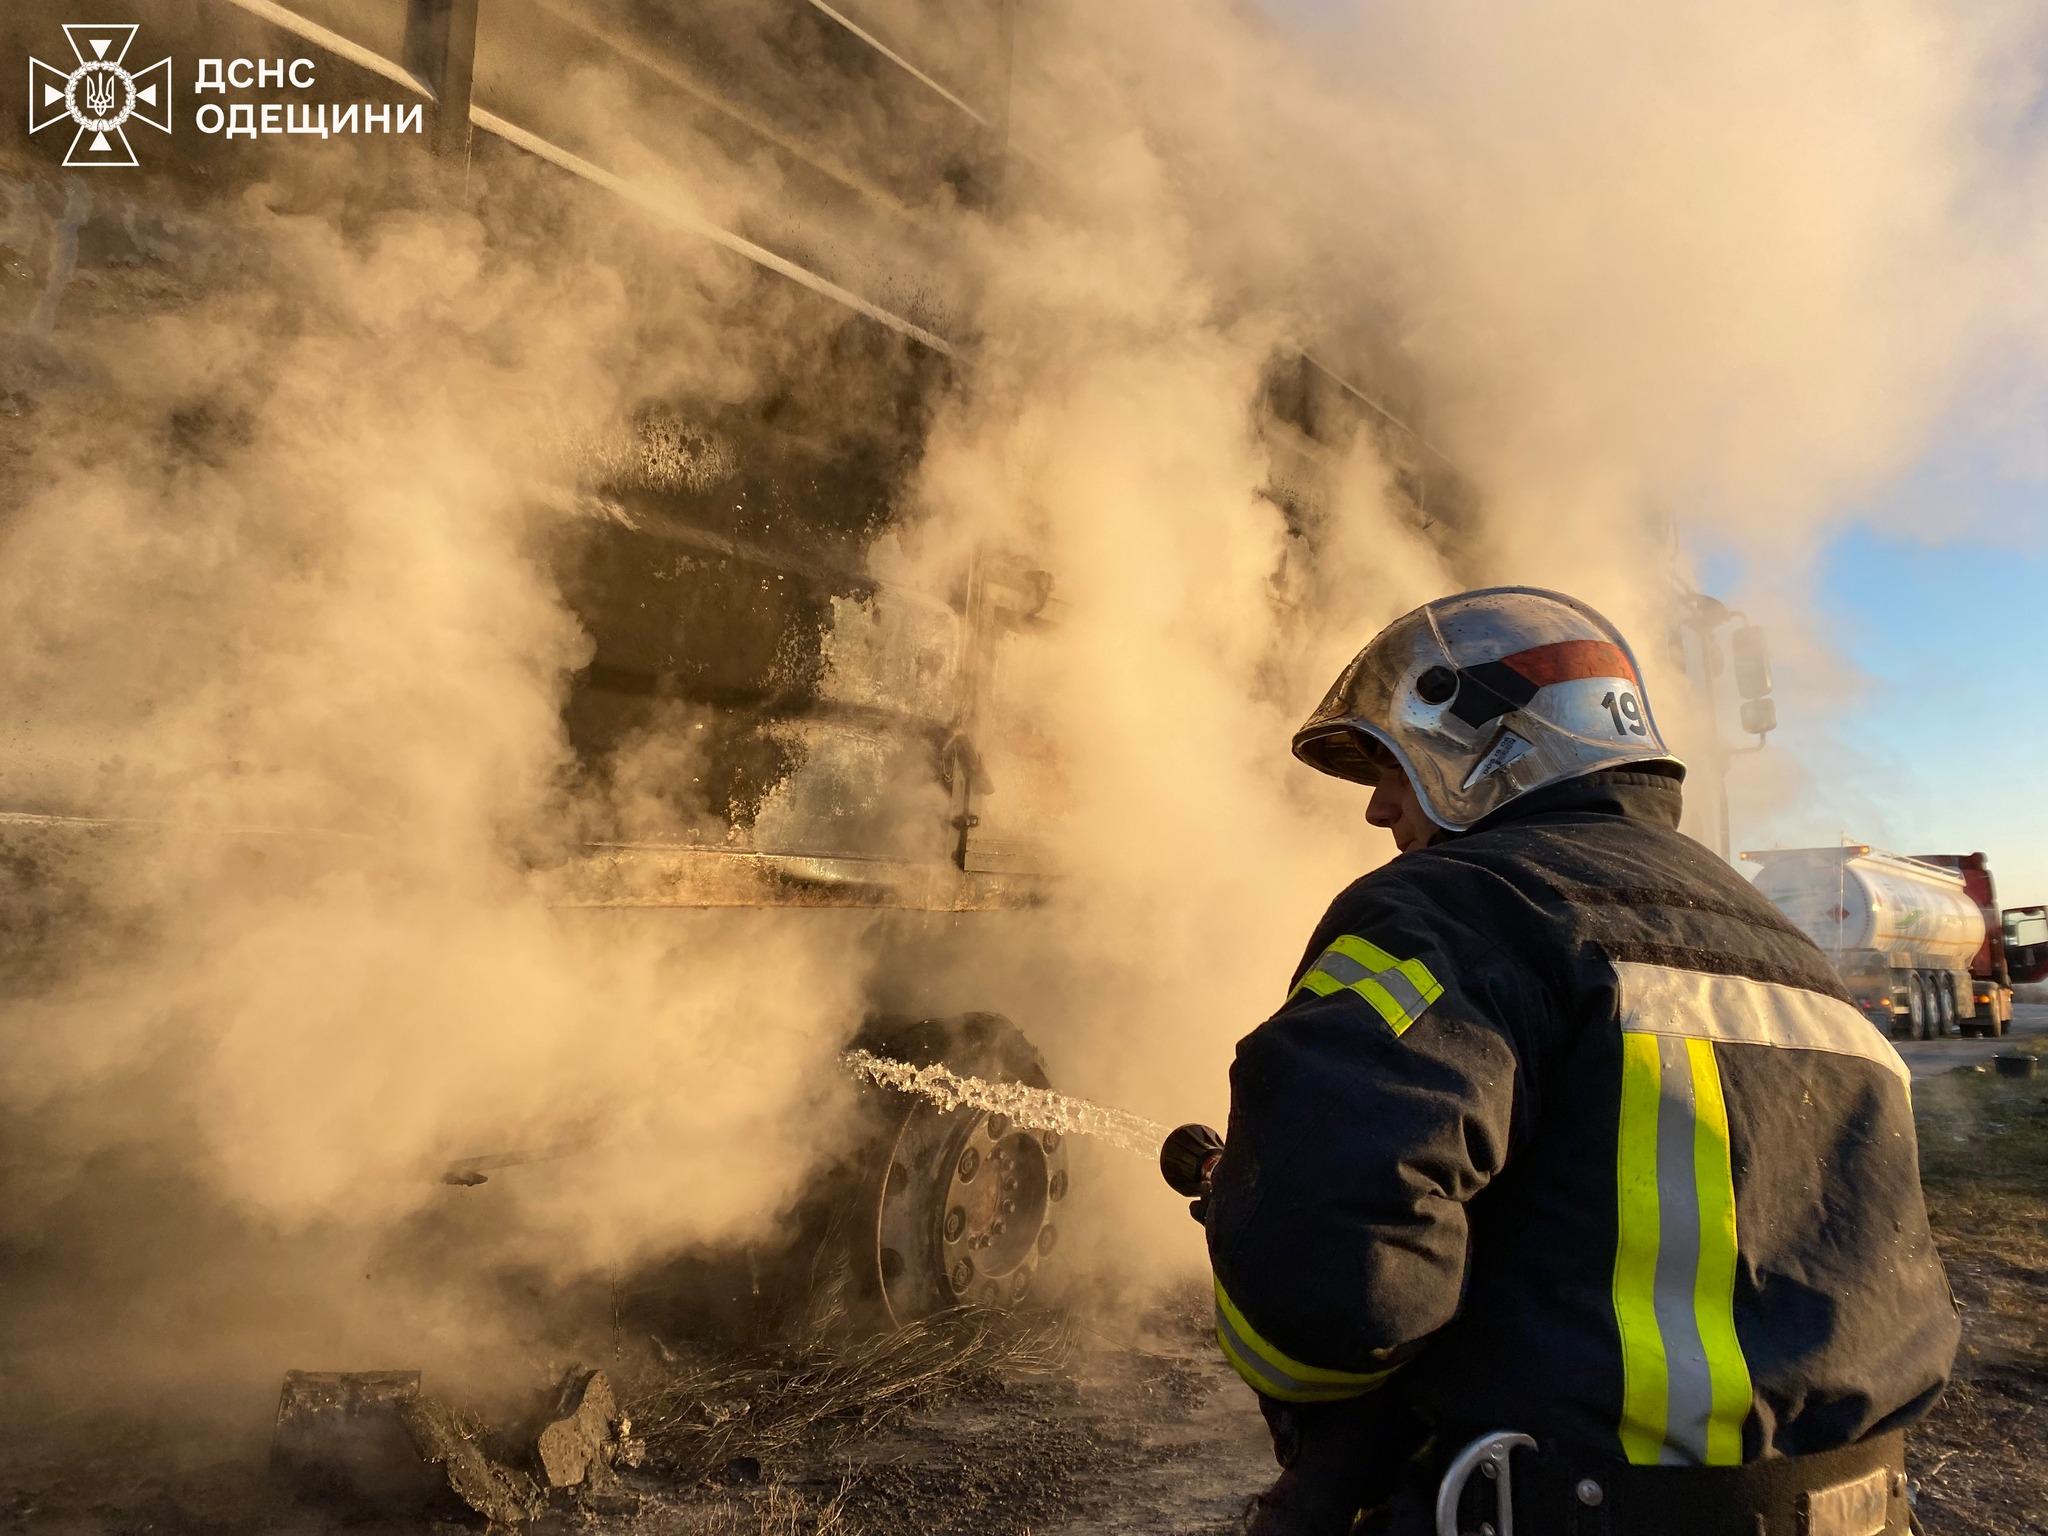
(852, 747)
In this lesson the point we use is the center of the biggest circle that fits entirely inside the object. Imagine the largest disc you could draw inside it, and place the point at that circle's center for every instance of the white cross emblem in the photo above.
(100, 95)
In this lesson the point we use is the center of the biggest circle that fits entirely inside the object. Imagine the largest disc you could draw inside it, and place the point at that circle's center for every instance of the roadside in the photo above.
(1984, 1162)
(1930, 1058)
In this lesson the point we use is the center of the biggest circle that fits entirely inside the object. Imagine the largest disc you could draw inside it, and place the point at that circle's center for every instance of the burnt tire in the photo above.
(942, 1208)
(867, 1246)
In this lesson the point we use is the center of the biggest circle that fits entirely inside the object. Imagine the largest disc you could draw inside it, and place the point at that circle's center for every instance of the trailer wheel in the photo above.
(1944, 1005)
(1916, 1008)
(951, 1207)
(923, 1209)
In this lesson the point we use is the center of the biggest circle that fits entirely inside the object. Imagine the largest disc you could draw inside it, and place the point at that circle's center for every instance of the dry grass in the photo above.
(1981, 1132)
(1984, 1162)
(779, 1511)
(698, 1419)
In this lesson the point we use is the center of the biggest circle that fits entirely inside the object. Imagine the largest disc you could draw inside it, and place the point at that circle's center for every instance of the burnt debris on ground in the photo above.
(374, 1443)
(969, 1422)
(757, 1408)
(768, 1437)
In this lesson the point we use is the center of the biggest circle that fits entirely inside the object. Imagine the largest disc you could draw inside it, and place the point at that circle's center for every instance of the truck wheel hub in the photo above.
(966, 1212)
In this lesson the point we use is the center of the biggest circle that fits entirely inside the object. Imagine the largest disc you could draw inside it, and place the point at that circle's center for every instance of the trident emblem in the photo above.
(100, 95)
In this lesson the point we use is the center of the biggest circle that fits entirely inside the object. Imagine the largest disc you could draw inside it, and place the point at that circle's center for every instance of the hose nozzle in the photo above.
(1186, 1158)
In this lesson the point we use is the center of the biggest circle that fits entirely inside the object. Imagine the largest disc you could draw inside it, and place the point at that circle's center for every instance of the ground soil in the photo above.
(1144, 1435)
(1978, 1459)
(1152, 1437)
(1155, 1437)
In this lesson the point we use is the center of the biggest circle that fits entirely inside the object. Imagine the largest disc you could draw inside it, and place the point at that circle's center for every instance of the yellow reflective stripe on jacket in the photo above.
(1686, 1386)
(1277, 1374)
(1714, 1287)
(1399, 990)
(1635, 1255)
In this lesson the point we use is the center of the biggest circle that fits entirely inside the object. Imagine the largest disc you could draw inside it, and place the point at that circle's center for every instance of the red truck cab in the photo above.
(2015, 947)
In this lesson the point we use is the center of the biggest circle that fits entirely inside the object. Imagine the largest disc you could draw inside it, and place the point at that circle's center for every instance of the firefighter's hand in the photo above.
(1186, 1159)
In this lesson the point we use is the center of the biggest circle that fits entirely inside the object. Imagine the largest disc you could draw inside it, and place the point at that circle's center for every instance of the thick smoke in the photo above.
(280, 607)
(277, 559)
(1688, 270)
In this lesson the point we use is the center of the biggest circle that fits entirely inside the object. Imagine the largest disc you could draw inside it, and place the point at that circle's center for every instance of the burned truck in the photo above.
(851, 746)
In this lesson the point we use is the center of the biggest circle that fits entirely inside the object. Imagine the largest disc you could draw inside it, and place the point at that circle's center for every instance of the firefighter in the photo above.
(1563, 1131)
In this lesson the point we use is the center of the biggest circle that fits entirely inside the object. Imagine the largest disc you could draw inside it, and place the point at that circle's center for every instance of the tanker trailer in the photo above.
(1901, 932)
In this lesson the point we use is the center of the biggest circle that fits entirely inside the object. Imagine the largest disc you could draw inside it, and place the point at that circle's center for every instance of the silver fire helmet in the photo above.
(1484, 697)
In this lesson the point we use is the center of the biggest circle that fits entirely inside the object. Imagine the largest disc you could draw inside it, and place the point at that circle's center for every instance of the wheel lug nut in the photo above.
(956, 1223)
(970, 1164)
(962, 1276)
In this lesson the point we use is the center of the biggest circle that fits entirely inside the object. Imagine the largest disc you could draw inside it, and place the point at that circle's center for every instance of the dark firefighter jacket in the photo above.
(1563, 1128)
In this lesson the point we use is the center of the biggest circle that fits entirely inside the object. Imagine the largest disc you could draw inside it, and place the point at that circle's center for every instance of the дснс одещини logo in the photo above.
(100, 95)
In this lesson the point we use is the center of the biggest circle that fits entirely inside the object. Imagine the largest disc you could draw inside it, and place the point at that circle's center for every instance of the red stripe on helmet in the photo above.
(1566, 661)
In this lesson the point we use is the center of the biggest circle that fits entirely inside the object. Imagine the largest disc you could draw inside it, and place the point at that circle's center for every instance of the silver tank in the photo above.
(1918, 916)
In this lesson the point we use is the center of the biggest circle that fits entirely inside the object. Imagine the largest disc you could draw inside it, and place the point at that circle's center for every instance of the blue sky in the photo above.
(1912, 643)
(1943, 741)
